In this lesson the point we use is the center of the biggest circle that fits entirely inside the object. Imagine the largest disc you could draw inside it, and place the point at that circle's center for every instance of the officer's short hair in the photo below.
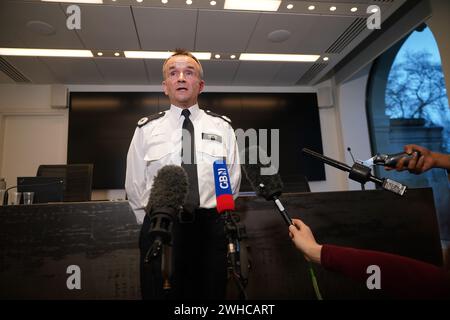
(183, 52)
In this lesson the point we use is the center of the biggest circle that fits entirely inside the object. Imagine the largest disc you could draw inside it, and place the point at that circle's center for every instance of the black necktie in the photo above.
(188, 162)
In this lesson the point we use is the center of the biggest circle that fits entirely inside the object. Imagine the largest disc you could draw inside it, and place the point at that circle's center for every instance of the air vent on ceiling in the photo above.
(12, 72)
(312, 72)
(348, 36)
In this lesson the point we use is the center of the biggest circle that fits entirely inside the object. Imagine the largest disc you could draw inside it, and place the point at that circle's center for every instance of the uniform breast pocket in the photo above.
(159, 147)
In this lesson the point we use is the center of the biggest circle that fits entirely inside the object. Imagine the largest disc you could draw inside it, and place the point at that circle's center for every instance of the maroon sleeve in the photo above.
(401, 277)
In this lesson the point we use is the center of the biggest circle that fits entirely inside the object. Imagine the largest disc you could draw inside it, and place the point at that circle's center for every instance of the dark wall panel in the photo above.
(101, 126)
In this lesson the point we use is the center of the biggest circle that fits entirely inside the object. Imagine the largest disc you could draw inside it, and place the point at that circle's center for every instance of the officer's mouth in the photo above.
(181, 89)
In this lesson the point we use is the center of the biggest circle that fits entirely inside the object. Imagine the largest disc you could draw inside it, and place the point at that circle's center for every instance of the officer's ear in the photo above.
(164, 85)
(201, 86)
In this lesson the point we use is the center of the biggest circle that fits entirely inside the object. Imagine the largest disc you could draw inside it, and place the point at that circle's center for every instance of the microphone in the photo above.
(360, 173)
(224, 195)
(235, 232)
(225, 203)
(168, 194)
(269, 187)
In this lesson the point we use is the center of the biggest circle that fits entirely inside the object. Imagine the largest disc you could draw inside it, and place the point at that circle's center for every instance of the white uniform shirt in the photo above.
(158, 143)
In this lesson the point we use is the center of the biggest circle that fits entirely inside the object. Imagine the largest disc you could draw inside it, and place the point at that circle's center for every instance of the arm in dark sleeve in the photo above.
(401, 277)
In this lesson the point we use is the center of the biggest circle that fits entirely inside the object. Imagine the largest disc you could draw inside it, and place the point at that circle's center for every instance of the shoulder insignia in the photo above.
(142, 122)
(225, 118)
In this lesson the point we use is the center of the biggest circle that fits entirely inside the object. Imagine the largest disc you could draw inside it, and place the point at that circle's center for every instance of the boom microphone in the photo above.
(168, 194)
(269, 187)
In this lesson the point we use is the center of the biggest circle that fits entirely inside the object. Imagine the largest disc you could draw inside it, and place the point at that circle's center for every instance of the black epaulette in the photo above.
(146, 120)
(225, 118)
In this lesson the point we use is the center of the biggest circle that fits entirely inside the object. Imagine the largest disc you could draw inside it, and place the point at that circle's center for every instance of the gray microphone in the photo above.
(167, 196)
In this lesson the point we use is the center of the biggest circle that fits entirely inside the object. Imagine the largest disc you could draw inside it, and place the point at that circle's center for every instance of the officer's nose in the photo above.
(181, 77)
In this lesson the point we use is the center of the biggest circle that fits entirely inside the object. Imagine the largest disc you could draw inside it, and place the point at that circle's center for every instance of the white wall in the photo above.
(31, 131)
(26, 114)
(351, 102)
(439, 25)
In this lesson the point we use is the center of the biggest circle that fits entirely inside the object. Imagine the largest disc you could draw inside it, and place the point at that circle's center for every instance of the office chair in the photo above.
(78, 179)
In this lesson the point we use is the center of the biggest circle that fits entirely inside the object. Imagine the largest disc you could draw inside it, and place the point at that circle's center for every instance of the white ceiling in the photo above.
(128, 25)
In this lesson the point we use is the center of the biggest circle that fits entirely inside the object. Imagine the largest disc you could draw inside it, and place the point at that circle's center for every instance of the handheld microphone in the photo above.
(269, 187)
(360, 173)
(168, 194)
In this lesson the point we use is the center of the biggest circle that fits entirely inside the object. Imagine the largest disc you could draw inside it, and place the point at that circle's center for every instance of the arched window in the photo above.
(407, 104)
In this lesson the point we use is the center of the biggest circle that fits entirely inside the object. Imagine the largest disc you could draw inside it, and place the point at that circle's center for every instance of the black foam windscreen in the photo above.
(254, 171)
(169, 189)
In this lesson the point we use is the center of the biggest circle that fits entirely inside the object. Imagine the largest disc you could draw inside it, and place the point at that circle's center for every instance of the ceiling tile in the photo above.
(219, 72)
(108, 28)
(14, 17)
(224, 31)
(74, 70)
(165, 29)
(290, 73)
(154, 70)
(256, 73)
(308, 34)
(122, 71)
(33, 68)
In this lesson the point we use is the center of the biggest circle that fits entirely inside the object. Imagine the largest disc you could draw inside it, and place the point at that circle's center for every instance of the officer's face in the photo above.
(182, 81)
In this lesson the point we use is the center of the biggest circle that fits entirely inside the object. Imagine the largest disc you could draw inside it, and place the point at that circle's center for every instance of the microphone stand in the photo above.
(161, 227)
(235, 232)
(360, 173)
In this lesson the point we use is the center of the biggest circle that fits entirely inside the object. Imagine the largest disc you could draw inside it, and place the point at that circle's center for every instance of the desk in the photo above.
(39, 242)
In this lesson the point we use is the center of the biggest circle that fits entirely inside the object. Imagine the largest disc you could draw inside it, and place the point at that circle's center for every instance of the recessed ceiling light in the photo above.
(164, 1)
(139, 1)
(333, 8)
(116, 54)
(310, 8)
(255, 5)
(45, 52)
(217, 56)
(188, 2)
(213, 3)
(354, 9)
(290, 6)
(162, 55)
(374, 10)
(233, 56)
(100, 53)
(75, 1)
(326, 58)
(278, 57)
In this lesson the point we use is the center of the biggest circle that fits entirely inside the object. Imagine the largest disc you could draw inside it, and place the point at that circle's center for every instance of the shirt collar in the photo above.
(176, 111)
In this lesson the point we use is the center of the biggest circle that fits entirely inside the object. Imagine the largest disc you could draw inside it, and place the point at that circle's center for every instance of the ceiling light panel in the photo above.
(45, 52)
(253, 5)
(278, 57)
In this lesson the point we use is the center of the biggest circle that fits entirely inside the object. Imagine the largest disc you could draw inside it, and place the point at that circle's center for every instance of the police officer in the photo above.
(193, 138)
